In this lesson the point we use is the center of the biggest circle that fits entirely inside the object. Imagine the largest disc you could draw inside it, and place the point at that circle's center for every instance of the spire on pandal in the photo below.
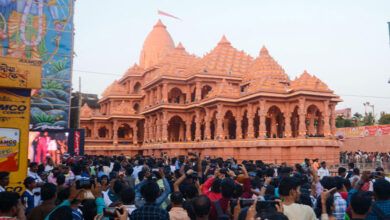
(264, 52)
(224, 41)
(159, 24)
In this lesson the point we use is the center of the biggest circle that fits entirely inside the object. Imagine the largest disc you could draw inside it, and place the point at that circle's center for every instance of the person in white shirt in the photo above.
(4, 180)
(32, 172)
(323, 171)
(290, 190)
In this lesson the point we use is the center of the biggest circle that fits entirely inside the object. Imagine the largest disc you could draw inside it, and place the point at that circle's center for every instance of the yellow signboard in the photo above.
(20, 73)
(14, 127)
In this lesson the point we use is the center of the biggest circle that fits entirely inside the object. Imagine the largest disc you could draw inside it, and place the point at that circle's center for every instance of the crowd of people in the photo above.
(194, 187)
(366, 159)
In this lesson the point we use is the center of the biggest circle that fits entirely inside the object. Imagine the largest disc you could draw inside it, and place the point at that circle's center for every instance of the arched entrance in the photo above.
(176, 129)
(176, 96)
(205, 90)
(125, 131)
(314, 121)
(275, 123)
(88, 132)
(244, 125)
(295, 123)
(136, 88)
(256, 123)
(136, 108)
(229, 125)
(103, 132)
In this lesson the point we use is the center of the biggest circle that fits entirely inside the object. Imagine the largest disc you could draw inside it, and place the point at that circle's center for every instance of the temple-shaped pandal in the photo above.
(225, 104)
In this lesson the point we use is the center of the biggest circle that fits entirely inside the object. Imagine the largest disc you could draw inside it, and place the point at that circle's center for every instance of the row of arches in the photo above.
(124, 133)
(176, 95)
(234, 127)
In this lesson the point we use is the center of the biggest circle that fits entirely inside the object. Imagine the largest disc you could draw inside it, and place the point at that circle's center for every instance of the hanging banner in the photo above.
(364, 131)
(20, 73)
(41, 30)
(14, 120)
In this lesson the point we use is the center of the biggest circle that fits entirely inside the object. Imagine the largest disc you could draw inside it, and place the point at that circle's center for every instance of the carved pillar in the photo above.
(115, 130)
(181, 131)
(302, 118)
(250, 116)
(158, 128)
(95, 130)
(165, 93)
(159, 94)
(326, 119)
(146, 129)
(333, 120)
(219, 117)
(135, 131)
(197, 123)
(188, 129)
(207, 130)
(287, 127)
(320, 125)
(188, 94)
(164, 126)
(238, 125)
(198, 92)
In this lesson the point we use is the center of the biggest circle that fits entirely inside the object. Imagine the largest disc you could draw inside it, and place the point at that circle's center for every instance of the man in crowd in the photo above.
(323, 171)
(381, 207)
(4, 180)
(177, 212)
(48, 196)
(11, 207)
(290, 190)
(360, 205)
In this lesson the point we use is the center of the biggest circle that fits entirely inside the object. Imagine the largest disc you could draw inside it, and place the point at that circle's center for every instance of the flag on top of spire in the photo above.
(166, 14)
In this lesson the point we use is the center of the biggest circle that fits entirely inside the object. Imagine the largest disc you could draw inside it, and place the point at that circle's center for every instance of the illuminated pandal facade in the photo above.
(224, 104)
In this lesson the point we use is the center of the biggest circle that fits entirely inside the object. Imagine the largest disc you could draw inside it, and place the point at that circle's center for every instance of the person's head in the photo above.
(4, 179)
(323, 164)
(77, 170)
(8, 203)
(49, 161)
(127, 196)
(118, 185)
(129, 170)
(216, 185)
(329, 205)
(29, 183)
(360, 204)
(356, 172)
(62, 213)
(89, 209)
(342, 171)
(227, 187)
(48, 192)
(33, 167)
(382, 190)
(351, 166)
(289, 187)
(177, 199)
(201, 206)
(60, 179)
(150, 191)
(190, 191)
(104, 180)
(328, 182)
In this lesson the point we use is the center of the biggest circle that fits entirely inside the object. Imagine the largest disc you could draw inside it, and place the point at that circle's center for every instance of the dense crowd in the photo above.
(194, 187)
(377, 159)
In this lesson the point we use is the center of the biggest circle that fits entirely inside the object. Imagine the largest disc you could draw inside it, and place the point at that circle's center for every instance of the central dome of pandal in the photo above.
(157, 44)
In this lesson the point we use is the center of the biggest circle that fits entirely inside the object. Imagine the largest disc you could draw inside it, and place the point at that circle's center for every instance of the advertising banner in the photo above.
(20, 73)
(14, 115)
(364, 131)
(42, 30)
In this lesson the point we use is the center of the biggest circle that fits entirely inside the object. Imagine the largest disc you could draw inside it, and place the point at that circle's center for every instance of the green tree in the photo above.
(384, 119)
(357, 117)
(368, 119)
(340, 121)
(348, 123)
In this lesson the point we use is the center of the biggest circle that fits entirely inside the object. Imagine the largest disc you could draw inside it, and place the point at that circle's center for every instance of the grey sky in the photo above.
(345, 43)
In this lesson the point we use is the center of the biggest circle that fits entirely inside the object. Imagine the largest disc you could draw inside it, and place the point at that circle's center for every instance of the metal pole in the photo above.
(79, 104)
